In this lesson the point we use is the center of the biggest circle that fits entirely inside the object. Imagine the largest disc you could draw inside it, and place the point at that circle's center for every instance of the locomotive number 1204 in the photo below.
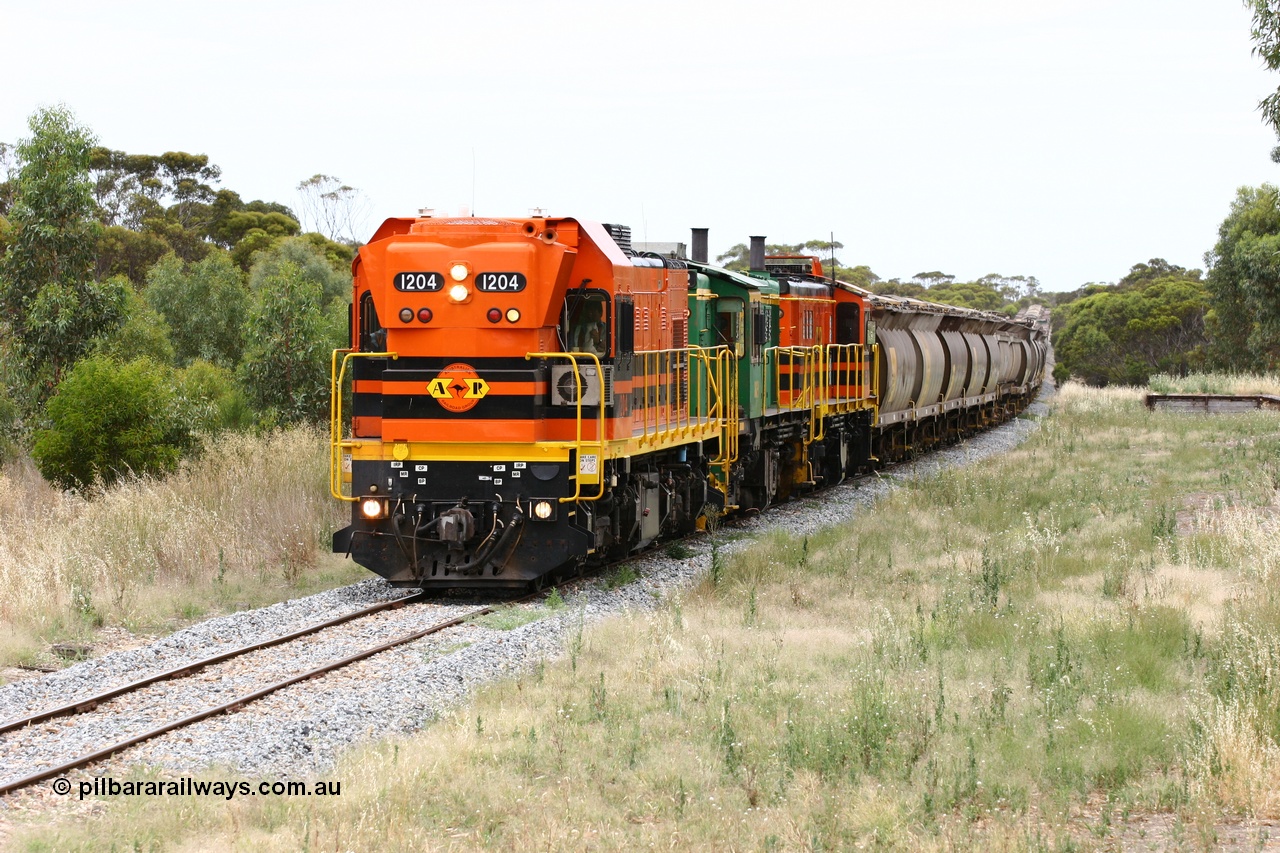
(501, 282)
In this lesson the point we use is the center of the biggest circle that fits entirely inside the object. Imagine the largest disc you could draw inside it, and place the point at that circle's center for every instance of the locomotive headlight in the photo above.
(371, 508)
(459, 272)
(459, 292)
(543, 510)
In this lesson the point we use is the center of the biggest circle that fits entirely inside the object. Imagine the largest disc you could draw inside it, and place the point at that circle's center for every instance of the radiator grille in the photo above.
(621, 235)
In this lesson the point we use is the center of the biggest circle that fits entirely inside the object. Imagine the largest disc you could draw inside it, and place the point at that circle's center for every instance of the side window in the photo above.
(373, 338)
(729, 325)
(847, 323)
(626, 326)
(759, 331)
(587, 318)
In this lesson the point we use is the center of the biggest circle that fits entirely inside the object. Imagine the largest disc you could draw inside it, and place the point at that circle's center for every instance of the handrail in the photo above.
(875, 383)
(847, 366)
(812, 374)
(335, 416)
(578, 442)
(721, 368)
(654, 365)
(697, 385)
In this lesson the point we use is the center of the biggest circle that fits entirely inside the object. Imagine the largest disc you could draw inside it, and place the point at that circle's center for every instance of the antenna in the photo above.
(833, 257)
(473, 180)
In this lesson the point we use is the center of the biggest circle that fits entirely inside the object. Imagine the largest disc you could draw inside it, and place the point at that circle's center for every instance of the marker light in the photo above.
(542, 509)
(513, 315)
(459, 272)
(406, 315)
(424, 315)
(459, 293)
(371, 508)
(494, 315)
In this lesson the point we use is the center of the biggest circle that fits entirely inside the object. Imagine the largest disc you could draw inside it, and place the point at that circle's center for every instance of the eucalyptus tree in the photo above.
(51, 302)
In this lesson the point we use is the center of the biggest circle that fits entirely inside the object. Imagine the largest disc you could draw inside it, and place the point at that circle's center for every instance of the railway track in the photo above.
(89, 704)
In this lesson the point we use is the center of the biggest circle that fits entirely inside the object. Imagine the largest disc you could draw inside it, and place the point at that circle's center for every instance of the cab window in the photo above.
(586, 316)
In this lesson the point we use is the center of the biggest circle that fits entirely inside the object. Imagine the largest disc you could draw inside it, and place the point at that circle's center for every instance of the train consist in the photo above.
(532, 396)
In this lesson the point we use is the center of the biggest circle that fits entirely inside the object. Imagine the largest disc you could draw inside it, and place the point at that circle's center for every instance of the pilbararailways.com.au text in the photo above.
(105, 786)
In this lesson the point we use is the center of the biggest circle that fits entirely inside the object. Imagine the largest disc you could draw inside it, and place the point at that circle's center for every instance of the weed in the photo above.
(621, 576)
(679, 551)
(717, 563)
(599, 700)
(992, 578)
(507, 617)
(729, 744)
(446, 650)
(577, 641)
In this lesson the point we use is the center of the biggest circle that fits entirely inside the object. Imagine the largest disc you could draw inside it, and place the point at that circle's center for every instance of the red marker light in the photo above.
(494, 315)
(424, 315)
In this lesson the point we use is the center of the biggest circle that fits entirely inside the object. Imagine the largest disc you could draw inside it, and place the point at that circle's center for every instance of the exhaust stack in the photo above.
(699, 254)
(757, 254)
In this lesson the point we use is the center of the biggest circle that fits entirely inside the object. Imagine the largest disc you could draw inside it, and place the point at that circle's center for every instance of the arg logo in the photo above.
(458, 387)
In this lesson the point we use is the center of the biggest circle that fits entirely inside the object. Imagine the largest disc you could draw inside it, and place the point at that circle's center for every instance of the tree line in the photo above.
(144, 306)
(1163, 318)
(992, 292)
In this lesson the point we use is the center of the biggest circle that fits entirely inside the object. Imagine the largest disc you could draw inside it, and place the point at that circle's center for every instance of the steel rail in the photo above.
(90, 702)
(240, 701)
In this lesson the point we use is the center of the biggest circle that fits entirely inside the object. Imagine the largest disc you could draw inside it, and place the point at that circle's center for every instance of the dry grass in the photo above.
(1035, 654)
(1216, 383)
(244, 523)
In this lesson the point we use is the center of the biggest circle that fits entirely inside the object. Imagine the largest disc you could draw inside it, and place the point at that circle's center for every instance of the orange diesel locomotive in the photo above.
(530, 396)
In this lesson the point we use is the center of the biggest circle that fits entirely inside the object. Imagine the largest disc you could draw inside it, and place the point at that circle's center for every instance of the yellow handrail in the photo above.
(812, 379)
(599, 443)
(875, 384)
(336, 443)
(849, 372)
(678, 415)
(721, 369)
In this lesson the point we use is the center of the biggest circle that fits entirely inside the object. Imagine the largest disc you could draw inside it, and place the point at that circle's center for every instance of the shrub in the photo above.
(302, 258)
(109, 418)
(204, 305)
(211, 398)
(142, 332)
(289, 337)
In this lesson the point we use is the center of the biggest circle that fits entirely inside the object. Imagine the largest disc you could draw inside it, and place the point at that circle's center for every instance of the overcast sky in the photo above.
(1065, 139)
